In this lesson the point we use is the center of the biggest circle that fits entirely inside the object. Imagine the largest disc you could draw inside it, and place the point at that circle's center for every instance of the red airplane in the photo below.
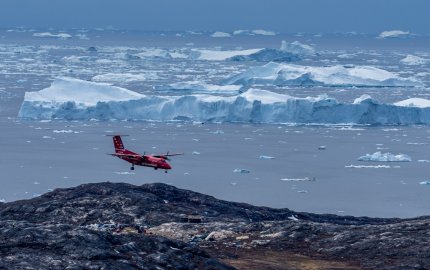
(154, 161)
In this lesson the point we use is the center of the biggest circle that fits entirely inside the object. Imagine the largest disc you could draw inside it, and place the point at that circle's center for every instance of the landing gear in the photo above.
(155, 168)
(132, 167)
(165, 171)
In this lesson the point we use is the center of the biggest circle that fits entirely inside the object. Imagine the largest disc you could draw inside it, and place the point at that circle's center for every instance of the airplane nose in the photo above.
(167, 166)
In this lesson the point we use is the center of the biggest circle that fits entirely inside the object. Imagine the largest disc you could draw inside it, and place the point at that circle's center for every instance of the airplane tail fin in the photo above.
(117, 142)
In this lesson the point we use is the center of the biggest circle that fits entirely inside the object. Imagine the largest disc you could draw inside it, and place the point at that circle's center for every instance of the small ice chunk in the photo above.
(219, 34)
(265, 157)
(425, 183)
(2, 200)
(385, 157)
(241, 171)
(368, 166)
(196, 153)
(36, 183)
(322, 147)
(299, 179)
(302, 191)
(423, 160)
(124, 173)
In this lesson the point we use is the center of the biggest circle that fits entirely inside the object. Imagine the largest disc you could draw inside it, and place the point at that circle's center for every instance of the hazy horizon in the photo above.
(329, 16)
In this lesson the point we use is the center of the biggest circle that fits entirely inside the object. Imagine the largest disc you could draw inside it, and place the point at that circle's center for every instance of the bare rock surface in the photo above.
(122, 226)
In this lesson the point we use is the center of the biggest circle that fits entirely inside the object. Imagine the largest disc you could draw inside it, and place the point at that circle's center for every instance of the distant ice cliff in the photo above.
(73, 99)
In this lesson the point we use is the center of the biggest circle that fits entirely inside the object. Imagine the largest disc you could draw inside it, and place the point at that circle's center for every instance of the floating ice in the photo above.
(124, 173)
(50, 35)
(124, 77)
(414, 60)
(217, 55)
(241, 171)
(220, 35)
(65, 131)
(424, 160)
(425, 183)
(295, 75)
(393, 34)
(196, 153)
(198, 87)
(368, 166)
(80, 92)
(2, 200)
(298, 179)
(253, 32)
(385, 157)
(73, 99)
(297, 48)
(265, 157)
(414, 102)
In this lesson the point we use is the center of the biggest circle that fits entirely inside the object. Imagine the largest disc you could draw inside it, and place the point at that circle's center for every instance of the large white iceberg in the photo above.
(73, 99)
(295, 75)
(385, 157)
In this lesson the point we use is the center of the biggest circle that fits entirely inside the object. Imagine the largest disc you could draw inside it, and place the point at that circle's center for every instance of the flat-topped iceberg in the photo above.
(385, 157)
(295, 75)
(73, 99)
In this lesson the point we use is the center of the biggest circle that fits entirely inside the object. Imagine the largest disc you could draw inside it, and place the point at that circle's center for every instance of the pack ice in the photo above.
(385, 157)
(74, 99)
(281, 74)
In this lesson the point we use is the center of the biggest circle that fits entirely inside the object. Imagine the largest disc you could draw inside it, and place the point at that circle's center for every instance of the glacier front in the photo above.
(73, 99)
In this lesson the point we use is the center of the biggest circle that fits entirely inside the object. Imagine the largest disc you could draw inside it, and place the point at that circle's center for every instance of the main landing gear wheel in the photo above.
(165, 171)
(132, 168)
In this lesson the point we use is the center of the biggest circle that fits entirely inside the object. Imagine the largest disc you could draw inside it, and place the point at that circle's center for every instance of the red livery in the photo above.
(154, 161)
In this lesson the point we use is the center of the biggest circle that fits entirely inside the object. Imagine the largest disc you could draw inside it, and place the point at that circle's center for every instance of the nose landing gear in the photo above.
(132, 167)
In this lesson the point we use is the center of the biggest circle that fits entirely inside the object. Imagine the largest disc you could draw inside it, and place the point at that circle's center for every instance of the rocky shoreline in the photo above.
(157, 226)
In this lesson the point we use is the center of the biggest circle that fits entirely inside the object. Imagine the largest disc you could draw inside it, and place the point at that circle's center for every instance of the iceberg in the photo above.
(50, 35)
(385, 157)
(297, 48)
(414, 102)
(393, 34)
(220, 34)
(414, 60)
(217, 55)
(73, 99)
(282, 74)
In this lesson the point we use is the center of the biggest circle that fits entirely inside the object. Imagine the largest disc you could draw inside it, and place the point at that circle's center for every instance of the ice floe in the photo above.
(298, 179)
(368, 166)
(414, 60)
(199, 87)
(393, 34)
(219, 55)
(385, 157)
(253, 32)
(425, 183)
(220, 34)
(282, 74)
(50, 35)
(241, 171)
(74, 99)
(297, 48)
(124, 77)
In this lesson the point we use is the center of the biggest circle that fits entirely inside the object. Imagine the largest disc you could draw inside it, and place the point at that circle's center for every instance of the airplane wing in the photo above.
(165, 156)
(126, 155)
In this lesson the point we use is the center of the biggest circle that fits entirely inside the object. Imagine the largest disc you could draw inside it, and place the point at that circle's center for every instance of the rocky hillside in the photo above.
(122, 226)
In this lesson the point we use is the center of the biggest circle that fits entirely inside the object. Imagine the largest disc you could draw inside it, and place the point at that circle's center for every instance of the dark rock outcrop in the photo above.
(69, 229)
